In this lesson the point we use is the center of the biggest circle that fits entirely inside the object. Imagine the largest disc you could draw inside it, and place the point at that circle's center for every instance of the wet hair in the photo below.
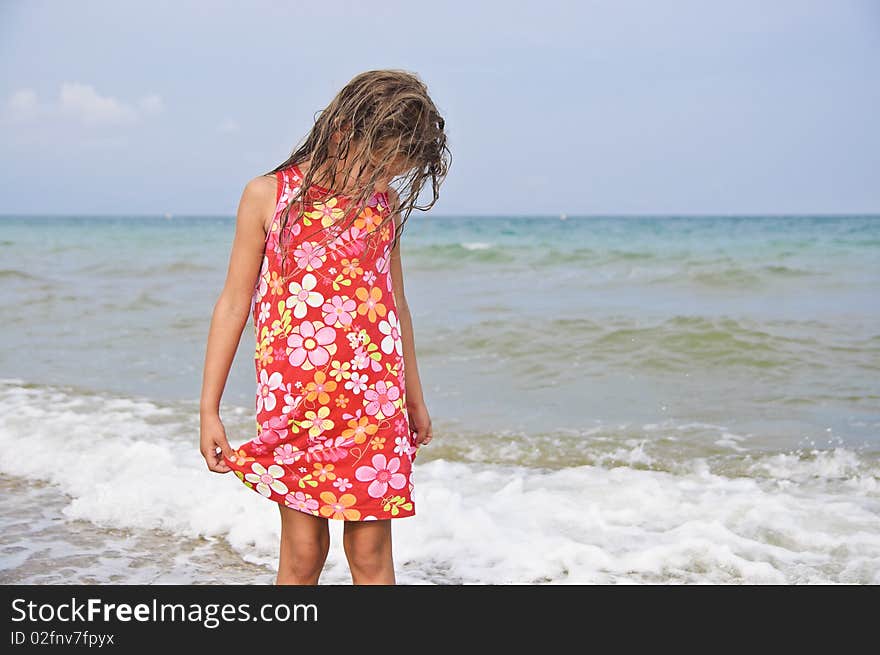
(386, 121)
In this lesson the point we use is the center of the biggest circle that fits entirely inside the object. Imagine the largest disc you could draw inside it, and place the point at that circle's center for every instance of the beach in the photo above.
(615, 400)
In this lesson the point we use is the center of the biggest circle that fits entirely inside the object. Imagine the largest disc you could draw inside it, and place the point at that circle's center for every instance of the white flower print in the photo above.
(291, 400)
(266, 481)
(265, 392)
(357, 383)
(265, 307)
(302, 295)
(391, 328)
(264, 279)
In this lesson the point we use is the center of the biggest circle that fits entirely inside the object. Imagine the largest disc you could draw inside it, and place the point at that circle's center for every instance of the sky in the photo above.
(611, 108)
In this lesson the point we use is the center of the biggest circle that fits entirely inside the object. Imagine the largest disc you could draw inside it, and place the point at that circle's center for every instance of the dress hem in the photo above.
(402, 514)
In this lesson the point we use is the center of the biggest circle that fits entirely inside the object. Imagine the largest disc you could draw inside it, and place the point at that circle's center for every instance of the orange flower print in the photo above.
(240, 458)
(370, 304)
(324, 472)
(360, 429)
(332, 437)
(351, 268)
(339, 509)
(319, 388)
(276, 284)
(367, 219)
(264, 354)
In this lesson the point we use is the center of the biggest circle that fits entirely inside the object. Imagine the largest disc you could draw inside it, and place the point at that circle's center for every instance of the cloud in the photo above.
(22, 103)
(82, 103)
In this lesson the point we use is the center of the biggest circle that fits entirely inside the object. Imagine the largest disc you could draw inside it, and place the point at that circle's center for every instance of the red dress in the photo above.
(332, 434)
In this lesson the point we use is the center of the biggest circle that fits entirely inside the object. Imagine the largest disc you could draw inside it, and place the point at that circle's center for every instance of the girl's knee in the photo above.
(368, 550)
(305, 543)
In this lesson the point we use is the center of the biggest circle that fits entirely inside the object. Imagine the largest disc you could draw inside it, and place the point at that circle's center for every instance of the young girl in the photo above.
(316, 260)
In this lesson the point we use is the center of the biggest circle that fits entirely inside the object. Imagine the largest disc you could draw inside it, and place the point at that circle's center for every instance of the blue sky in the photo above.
(577, 107)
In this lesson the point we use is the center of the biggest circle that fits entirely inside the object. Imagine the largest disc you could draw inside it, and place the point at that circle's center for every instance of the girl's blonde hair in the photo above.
(391, 116)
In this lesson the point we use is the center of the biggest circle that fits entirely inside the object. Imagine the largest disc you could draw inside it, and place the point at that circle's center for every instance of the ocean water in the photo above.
(615, 400)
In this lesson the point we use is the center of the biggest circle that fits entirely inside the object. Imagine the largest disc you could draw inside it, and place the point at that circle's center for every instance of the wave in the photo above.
(133, 464)
(15, 274)
(677, 343)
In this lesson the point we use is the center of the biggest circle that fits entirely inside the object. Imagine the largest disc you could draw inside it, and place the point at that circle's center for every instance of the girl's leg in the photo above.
(305, 542)
(368, 550)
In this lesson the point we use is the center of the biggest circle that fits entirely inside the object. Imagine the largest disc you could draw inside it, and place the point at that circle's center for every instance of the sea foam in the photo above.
(132, 463)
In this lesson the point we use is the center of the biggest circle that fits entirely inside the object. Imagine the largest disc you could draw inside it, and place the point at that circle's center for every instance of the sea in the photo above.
(615, 400)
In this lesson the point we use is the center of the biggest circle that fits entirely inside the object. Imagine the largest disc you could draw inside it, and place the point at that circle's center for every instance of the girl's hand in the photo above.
(420, 423)
(213, 436)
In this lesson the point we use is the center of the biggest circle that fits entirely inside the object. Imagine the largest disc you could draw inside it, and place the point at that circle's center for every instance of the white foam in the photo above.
(475, 523)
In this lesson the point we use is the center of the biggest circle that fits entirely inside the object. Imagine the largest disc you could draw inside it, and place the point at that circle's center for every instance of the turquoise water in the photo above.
(557, 353)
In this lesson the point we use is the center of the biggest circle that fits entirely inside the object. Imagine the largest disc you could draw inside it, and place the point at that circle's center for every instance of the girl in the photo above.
(316, 260)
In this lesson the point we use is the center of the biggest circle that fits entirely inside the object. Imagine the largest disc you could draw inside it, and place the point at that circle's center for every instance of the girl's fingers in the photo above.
(217, 464)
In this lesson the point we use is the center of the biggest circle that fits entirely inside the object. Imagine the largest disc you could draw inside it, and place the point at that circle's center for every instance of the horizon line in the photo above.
(558, 216)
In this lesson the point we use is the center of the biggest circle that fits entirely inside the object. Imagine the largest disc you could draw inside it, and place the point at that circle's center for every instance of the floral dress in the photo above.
(332, 430)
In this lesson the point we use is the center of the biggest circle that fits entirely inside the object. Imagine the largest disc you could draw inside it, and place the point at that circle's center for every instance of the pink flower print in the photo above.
(302, 501)
(381, 262)
(291, 400)
(302, 296)
(390, 327)
(308, 256)
(357, 383)
(267, 480)
(380, 475)
(369, 276)
(400, 425)
(310, 343)
(266, 388)
(342, 484)
(381, 397)
(287, 454)
(334, 449)
(402, 446)
(279, 351)
(361, 359)
(339, 311)
(272, 431)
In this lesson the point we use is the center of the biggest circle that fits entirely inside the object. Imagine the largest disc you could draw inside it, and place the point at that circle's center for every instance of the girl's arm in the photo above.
(231, 314)
(419, 419)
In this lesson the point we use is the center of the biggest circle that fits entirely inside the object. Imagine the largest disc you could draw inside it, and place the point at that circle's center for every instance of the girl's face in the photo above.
(398, 166)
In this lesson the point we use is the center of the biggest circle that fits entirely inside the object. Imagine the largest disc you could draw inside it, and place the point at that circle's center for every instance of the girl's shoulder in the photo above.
(261, 193)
